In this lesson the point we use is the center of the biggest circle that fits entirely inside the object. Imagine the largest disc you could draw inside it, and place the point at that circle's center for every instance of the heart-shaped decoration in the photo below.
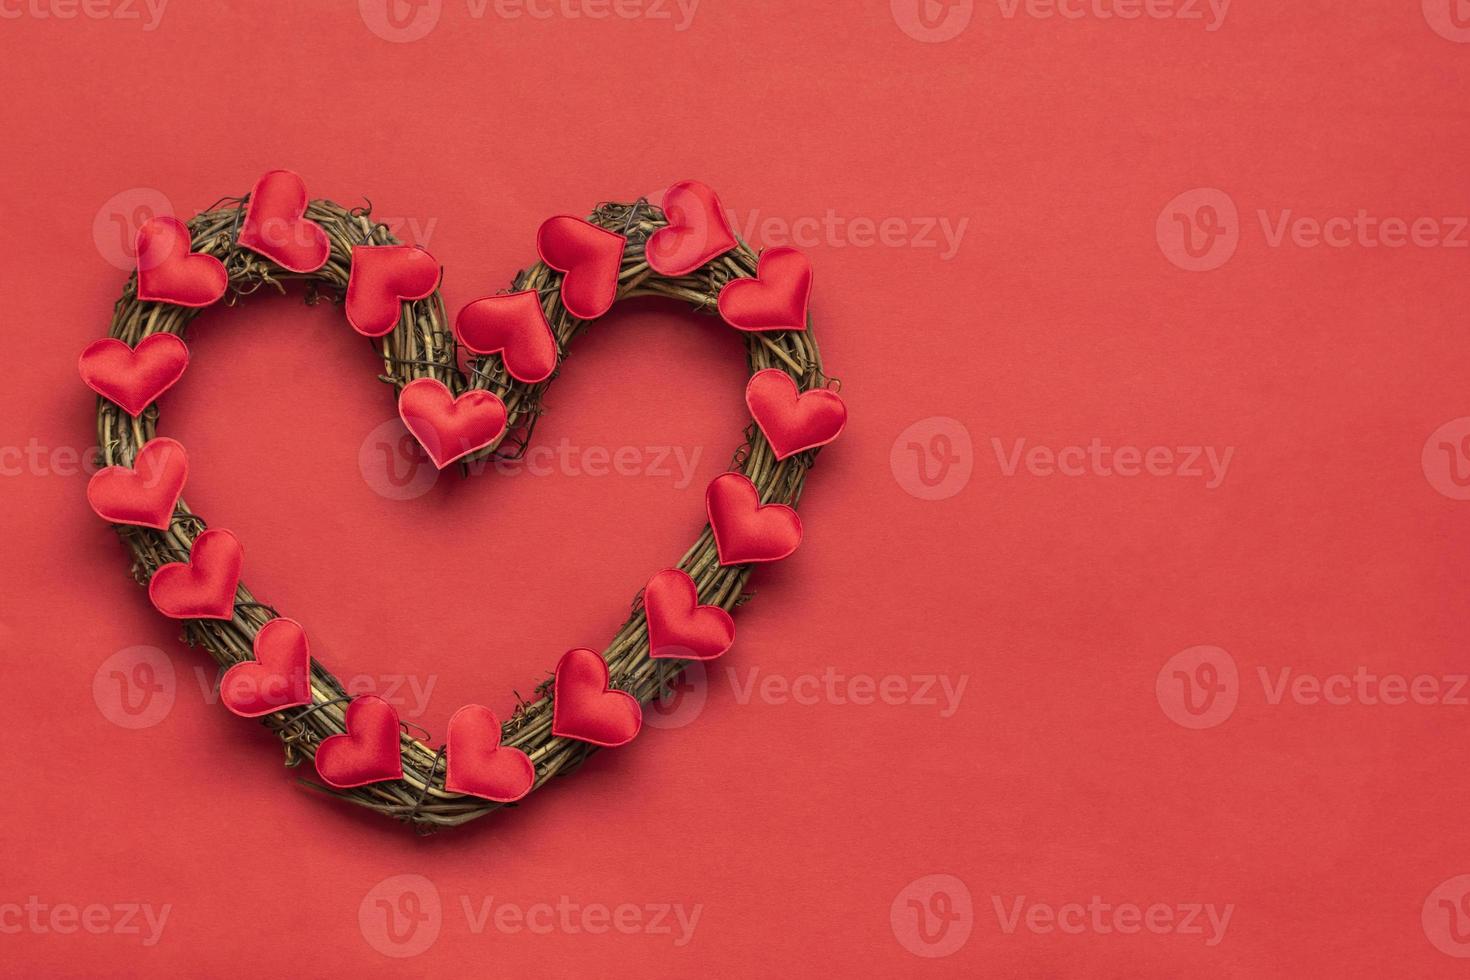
(792, 420)
(591, 699)
(204, 586)
(514, 326)
(776, 299)
(134, 377)
(383, 278)
(586, 708)
(144, 494)
(276, 225)
(368, 752)
(476, 764)
(589, 256)
(278, 678)
(168, 272)
(678, 626)
(698, 230)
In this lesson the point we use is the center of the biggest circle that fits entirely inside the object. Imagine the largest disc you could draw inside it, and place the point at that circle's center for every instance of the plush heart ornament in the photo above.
(476, 764)
(278, 678)
(134, 377)
(367, 752)
(168, 272)
(463, 405)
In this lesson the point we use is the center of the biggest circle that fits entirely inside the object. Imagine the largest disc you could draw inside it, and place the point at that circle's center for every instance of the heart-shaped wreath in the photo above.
(683, 248)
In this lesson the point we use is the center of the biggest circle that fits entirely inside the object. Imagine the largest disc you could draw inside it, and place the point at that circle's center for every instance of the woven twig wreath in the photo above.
(422, 346)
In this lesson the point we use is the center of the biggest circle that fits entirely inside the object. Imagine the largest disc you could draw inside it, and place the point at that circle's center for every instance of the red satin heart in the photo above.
(278, 678)
(678, 626)
(514, 326)
(275, 224)
(383, 277)
(368, 752)
(145, 493)
(583, 708)
(793, 420)
(697, 232)
(475, 763)
(204, 586)
(134, 377)
(447, 427)
(590, 259)
(776, 299)
(746, 530)
(168, 272)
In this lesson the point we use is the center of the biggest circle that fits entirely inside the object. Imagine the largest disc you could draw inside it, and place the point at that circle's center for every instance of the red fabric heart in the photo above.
(514, 326)
(447, 427)
(793, 420)
(583, 708)
(275, 224)
(368, 752)
(168, 272)
(589, 256)
(745, 529)
(678, 626)
(204, 586)
(145, 493)
(697, 232)
(278, 678)
(383, 277)
(134, 377)
(776, 299)
(475, 763)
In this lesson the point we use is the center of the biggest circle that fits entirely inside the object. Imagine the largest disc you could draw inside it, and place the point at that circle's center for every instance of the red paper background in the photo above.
(800, 831)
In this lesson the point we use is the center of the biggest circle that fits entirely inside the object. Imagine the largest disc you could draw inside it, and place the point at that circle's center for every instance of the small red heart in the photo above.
(678, 626)
(204, 586)
(168, 272)
(383, 277)
(793, 420)
(278, 678)
(776, 299)
(583, 708)
(145, 493)
(697, 232)
(369, 750)
(447, 427)
(591, 258)
(134, 377)
(745, 529)
(514, 326)
(275, 224)
(475, 763)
